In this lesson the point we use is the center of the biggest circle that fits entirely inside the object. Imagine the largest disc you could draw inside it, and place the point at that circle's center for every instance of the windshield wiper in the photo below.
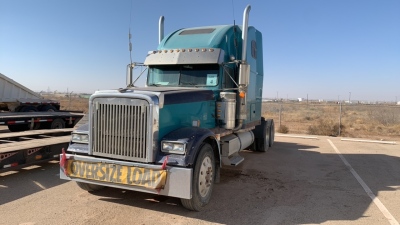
(188, 83)
(156, 85)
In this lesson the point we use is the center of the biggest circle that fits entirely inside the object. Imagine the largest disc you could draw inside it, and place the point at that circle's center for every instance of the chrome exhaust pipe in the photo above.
(244, 31)
(244, 74)
(160, 29)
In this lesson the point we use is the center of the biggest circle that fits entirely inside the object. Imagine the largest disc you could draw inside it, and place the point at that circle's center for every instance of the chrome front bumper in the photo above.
(178, 180)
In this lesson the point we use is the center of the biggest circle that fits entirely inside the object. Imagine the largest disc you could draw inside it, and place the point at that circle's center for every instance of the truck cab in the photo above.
(200, 107)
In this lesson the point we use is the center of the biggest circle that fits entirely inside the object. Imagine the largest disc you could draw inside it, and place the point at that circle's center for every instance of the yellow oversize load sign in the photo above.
(119, 174)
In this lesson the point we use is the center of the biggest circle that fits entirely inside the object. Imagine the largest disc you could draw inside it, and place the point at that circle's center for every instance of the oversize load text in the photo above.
(114, 173)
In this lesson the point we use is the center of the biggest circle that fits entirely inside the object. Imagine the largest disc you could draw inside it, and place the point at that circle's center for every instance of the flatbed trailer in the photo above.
(22, 149)
(21, 121)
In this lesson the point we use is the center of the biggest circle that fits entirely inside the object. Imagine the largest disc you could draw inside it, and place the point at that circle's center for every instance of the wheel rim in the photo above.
(205, 176)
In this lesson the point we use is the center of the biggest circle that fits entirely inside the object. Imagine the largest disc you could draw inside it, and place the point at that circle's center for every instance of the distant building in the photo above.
(300, 99)
(398, 103)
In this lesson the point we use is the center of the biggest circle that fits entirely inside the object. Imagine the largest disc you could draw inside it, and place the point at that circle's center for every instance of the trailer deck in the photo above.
(25, 148)
(20, 121)
(7, 118)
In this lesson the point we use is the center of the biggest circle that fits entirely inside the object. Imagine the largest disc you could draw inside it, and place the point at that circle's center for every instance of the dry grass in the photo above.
(73, 103)
(357, 121)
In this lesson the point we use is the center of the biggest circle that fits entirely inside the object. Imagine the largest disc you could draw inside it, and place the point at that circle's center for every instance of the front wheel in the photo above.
(203, 179)
(89, 187)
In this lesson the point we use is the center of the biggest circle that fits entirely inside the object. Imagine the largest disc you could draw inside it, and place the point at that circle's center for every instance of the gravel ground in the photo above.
(298, 181)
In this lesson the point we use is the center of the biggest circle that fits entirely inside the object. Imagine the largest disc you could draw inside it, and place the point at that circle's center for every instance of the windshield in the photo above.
(183, 75)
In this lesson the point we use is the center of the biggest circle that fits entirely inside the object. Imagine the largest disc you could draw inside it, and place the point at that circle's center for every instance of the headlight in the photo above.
(173, 147)
(80, 138)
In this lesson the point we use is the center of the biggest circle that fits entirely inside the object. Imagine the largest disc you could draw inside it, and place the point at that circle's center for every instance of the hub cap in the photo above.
(205, 176)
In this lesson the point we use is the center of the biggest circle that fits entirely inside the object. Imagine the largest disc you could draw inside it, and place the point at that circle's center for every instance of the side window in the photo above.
(254, 49)
(227, 82)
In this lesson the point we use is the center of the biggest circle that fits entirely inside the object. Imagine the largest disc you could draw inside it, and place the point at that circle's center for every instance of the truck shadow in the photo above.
(289, 184)
(16, 184)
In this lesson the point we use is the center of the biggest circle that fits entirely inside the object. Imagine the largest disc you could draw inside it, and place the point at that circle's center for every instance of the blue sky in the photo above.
(321, 48)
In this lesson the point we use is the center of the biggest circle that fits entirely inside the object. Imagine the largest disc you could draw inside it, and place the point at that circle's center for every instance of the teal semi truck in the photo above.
(200, 107)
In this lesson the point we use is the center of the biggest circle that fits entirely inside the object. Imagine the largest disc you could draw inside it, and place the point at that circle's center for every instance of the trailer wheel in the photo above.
(47, 108)
(203, 180)
(57, 124)
(89, 187)
(18, 108)
(28, 108)
(18, 127)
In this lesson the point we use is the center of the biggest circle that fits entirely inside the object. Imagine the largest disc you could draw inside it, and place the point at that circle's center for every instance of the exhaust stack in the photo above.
(161, 29)
(244, 32)
(244, 74)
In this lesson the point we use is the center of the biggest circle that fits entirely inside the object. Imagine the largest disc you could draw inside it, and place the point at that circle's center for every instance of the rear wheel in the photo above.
(203, 179)
(272, 133)
(89, 187)
(262, 136)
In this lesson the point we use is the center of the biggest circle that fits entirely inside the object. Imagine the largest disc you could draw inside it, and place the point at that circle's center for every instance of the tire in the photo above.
(28, 108)
(18, 127)
(57, 124)
(23, 127)
(47, 108)
(36, 126)
(272, 133)
(89, 187)
(18, 109)
(203, 179)
(262, 136)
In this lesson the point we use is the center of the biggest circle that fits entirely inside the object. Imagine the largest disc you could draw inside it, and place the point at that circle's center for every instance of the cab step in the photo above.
(232, 160)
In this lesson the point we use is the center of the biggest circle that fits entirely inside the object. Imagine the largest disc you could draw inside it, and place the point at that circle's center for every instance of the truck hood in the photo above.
(166, 95)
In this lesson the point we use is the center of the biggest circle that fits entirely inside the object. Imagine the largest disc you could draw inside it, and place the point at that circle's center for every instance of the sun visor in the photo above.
(185, 56)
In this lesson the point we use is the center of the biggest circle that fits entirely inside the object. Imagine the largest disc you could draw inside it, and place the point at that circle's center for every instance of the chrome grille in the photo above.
(121, 129)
